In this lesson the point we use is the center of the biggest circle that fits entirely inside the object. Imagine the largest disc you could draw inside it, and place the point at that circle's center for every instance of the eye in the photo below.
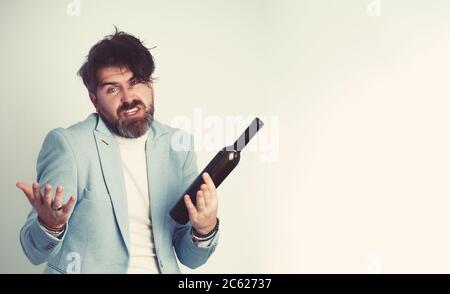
(112, 90)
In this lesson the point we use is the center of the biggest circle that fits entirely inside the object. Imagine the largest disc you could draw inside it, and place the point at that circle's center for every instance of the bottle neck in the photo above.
(247, 135)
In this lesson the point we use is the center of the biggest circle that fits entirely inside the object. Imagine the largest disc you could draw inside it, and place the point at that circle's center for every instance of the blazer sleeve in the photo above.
(187, 252)
(56, 165)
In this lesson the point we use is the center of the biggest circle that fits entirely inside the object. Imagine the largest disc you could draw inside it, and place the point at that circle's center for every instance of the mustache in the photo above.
(128, 106)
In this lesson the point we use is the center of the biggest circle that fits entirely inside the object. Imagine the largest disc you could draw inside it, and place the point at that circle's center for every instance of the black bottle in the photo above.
(218, 168)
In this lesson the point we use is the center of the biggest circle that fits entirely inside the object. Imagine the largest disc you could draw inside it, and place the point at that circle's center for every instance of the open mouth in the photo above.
(131, 112)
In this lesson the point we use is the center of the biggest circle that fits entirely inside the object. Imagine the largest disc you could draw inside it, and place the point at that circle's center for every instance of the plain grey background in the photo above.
(358, 88)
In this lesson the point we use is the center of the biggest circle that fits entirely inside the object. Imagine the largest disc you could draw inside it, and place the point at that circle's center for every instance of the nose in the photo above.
(127, 95)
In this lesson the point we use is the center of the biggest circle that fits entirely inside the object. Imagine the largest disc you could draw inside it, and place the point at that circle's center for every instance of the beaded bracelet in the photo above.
(212, 232)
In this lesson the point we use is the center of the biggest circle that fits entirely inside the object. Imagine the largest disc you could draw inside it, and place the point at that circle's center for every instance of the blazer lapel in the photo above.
(111, 164)
(157, 151)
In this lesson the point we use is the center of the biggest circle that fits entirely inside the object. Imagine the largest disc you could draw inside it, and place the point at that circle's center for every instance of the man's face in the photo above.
(125, 104)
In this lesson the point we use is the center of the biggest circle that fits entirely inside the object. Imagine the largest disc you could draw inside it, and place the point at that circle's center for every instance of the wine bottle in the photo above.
(218, 168)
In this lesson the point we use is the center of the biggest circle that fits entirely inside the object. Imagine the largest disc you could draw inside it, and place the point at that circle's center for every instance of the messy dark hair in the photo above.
(120, 50)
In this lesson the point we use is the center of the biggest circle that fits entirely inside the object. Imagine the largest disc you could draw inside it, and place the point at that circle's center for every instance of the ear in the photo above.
(93, 99)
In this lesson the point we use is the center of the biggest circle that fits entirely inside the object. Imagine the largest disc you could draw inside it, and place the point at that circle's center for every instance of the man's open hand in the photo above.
(52, 213)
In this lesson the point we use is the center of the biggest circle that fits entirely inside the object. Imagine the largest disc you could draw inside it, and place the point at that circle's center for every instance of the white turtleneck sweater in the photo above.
(134, 162)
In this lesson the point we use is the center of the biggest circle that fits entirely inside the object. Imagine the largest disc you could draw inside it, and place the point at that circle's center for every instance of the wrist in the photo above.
(55, 229)
(206, 232)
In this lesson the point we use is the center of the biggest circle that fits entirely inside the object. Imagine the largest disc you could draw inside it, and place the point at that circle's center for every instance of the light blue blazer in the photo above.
(85, 160)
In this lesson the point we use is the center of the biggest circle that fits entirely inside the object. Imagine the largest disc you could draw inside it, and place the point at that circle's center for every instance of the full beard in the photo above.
(130, 127)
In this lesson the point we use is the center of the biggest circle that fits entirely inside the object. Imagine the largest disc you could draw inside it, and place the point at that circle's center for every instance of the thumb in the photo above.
(190, 207)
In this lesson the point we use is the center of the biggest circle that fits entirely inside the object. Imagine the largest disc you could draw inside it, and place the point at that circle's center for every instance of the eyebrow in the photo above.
(106, 83)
